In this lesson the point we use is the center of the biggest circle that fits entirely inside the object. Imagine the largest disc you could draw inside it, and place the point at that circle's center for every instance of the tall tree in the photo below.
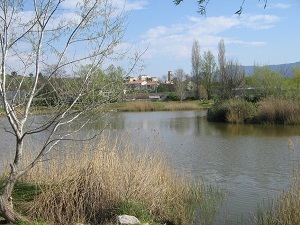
(196, 67)
(49, 33)
(208, 72)
(180, 83)
(268, 82)
(231, 74)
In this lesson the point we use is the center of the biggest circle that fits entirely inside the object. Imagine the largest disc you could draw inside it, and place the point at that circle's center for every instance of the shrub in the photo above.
(239, 111)
(173, 97)
(232, 111)
(217, 113)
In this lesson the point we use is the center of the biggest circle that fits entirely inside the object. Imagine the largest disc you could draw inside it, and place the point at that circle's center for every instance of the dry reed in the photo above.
(284, 209)
(174, 106)
(278, 110)
(88, 186)
(140, 106)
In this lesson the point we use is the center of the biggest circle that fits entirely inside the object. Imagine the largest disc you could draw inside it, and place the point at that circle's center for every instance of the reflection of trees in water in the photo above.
(256, 129)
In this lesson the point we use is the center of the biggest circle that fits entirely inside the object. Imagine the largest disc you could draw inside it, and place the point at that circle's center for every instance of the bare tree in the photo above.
(231, 74)
(180, 84)
(209, 72)
(196, 66)
(35, 34)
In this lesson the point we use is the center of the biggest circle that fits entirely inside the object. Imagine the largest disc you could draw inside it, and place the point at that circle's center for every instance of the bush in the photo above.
(173, 97)
(217, 113)
(232, 111)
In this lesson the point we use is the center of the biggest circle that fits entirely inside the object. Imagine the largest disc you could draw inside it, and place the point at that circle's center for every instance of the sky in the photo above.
(259, 36)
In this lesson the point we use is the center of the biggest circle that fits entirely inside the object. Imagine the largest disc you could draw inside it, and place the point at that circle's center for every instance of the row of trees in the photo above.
(209, 78)
(226, 78)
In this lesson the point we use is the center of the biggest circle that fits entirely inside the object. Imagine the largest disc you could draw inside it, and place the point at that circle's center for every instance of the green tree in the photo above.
(268, 82)
(209, 67)
(292, 85)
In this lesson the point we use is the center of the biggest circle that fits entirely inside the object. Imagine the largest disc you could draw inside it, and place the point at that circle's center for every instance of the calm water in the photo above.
(251, 163)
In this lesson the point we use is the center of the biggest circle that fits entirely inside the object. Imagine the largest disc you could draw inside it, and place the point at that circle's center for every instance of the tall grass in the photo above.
(269, 110)
(278, 110)
(175, 106)
(142, 106)
(94, 184)
(284, 209)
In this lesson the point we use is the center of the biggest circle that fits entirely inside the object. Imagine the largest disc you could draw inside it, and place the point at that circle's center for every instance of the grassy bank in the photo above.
(269, 110)
(140, 106)
(97, 182)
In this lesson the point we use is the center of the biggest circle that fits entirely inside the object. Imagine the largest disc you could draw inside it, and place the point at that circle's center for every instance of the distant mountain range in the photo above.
(285, 68)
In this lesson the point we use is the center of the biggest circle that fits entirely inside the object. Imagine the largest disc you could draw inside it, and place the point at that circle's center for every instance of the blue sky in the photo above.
(261, 36)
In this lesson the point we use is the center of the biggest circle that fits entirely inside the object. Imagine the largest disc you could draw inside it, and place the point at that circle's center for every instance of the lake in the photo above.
(250, 163)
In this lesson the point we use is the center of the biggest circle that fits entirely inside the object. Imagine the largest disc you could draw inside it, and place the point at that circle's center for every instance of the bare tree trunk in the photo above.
(6, 202)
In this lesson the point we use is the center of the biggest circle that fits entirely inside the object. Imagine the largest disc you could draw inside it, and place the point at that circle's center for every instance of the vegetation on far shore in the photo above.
(269, 110)
(143, 106)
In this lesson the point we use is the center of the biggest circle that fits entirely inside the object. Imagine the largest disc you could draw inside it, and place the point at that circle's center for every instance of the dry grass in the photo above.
(93, 184)
(174, 106)
(277, 110)
(284, 209)
(142, 106)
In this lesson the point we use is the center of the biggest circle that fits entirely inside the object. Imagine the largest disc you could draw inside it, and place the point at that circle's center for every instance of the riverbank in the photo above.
(268, 110)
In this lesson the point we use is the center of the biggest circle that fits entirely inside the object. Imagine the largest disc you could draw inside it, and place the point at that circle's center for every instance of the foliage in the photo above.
(209, 69)
(239, 111)
(173, 97)
(270, 83)
(267, 110)
(165, 87)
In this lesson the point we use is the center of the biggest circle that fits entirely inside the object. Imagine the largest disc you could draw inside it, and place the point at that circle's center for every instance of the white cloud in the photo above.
(259, 22)
(279, 6)
(134, 5)
(176, 40)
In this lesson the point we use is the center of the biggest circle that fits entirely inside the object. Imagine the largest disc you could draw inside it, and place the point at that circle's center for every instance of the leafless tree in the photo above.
(196, 66)
(35, 34)
(231, 74)
(180, 83)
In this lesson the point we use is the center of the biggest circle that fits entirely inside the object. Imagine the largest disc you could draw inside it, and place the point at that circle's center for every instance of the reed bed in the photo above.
(175, 106)
(142, 106)
(97, 182)
(278, 110)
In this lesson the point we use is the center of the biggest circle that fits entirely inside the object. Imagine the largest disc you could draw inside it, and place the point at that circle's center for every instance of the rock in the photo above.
(127, 220)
